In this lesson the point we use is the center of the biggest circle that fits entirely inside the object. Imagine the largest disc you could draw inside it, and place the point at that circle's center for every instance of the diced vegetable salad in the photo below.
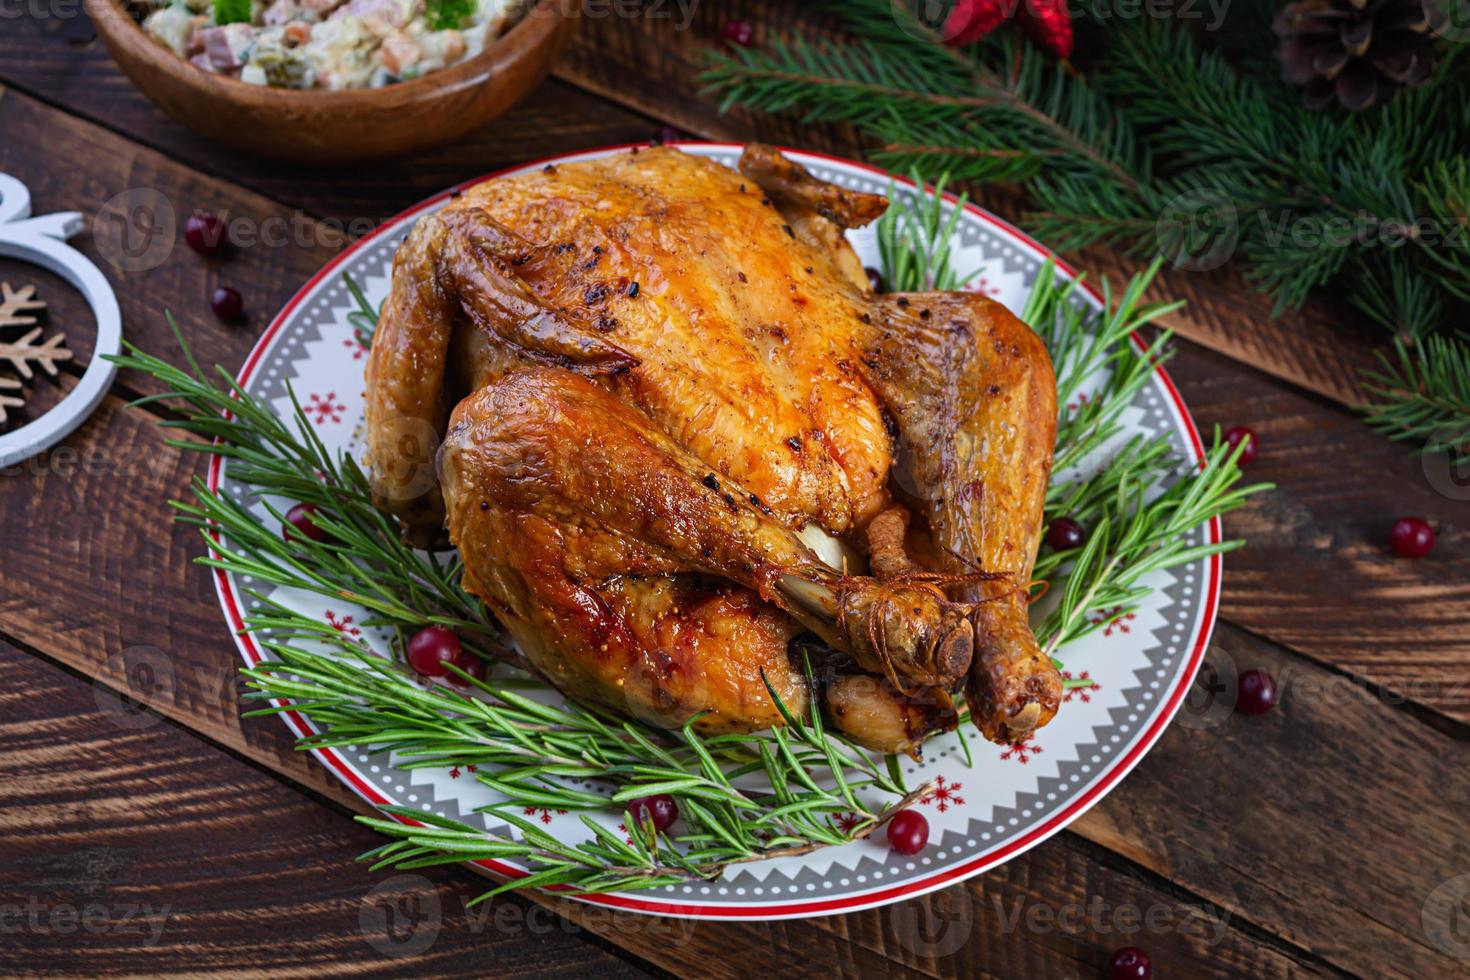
(328, 44)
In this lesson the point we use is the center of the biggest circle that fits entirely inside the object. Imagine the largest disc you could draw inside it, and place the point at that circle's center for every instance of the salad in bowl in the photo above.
(327, 44)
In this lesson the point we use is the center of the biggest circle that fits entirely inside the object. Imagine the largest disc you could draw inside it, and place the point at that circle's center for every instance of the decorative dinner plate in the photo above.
(1140, 664)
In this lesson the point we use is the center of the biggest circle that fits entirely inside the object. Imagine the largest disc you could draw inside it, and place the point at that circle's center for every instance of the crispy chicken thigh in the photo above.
(671, 430)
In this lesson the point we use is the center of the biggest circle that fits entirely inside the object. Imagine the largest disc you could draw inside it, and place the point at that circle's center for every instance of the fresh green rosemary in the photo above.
(742, 797)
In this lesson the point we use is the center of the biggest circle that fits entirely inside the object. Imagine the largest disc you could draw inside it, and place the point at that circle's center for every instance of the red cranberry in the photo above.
(738, 32)
(908, 832)
(298, 522)
(430, 647)
(1130, 963)
(661, 809)
(1411, 537)
(206, 235)
(1065, 534)
(227, 304)
(470, 664)
(1255, 692)
(1238, 434)
(875, 279)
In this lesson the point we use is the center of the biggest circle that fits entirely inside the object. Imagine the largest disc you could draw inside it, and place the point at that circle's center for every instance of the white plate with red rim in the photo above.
(1140, 664)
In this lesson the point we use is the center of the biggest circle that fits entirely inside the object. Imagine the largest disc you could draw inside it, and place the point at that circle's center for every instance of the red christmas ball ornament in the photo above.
(970, 20)
(1048, 25)
(299, 522)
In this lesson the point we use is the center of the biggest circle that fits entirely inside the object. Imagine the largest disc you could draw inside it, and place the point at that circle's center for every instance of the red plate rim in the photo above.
(919, 885)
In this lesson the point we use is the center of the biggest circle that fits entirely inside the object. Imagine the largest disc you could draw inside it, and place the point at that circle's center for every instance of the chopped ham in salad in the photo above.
(328, 44)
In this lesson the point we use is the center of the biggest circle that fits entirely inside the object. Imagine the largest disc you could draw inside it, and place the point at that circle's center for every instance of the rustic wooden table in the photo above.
(1325, 837)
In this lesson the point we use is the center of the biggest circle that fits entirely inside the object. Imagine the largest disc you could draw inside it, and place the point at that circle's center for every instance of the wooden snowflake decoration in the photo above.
(45, 355)
(17, 305)
(27, 352)
(9, 401)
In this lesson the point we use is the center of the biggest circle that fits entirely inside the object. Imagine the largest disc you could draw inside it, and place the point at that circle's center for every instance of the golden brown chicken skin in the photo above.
(640, 391)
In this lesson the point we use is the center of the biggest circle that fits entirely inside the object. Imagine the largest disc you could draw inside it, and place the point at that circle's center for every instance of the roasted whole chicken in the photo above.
(671, 429)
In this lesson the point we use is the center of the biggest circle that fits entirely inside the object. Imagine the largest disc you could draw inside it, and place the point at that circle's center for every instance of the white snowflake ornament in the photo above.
(42, 241)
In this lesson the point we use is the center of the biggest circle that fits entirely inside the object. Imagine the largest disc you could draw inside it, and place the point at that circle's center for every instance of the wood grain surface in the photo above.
(1305, 842)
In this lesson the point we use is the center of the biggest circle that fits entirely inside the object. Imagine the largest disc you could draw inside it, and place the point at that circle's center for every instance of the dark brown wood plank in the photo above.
(129, 847)
(1300, 818)
(1318, 575)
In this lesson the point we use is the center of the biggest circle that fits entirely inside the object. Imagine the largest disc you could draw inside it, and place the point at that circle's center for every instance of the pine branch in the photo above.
(1423, 393)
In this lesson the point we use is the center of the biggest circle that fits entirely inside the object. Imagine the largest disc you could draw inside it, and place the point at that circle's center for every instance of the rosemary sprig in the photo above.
(743, 797)
(915, 239)
(528, 751)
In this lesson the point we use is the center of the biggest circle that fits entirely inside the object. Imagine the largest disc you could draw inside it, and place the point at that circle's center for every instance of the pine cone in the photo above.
(1358, 52)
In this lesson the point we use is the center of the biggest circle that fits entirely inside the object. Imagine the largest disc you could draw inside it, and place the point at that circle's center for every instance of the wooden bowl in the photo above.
(306, 126)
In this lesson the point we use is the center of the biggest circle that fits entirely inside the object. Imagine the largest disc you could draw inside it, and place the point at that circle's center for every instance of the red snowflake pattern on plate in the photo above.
(455, 772)
(343, 625)
(1021, 751)
(325, 408)
(847, 820)
(1083, 400)
(531, 811)
(353, 345)
(1082, 693)
(1117, 620)
(945, 794)
(984, 285)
